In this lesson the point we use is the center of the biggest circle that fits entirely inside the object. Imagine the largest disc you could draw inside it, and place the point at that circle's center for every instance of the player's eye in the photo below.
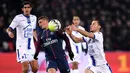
(40, 22)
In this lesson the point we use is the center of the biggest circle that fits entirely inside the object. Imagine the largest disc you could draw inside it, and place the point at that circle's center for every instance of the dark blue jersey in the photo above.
(52, 43)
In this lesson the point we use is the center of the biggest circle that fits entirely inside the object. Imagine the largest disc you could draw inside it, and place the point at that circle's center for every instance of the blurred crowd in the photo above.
(114, 13)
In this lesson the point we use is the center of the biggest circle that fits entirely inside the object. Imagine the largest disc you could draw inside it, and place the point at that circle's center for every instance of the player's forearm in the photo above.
(68, 47)
(38, 44)
(75, 39)
(86, 33)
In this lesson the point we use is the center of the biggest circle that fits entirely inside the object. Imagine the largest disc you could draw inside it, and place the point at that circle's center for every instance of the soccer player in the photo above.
(25, 25)
(95, 47)
(76, 47)
(54, 53)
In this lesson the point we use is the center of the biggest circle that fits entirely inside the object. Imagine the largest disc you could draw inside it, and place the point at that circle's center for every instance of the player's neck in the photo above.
(76, 25)
(46, 28)
(96, 31)
(26, 15)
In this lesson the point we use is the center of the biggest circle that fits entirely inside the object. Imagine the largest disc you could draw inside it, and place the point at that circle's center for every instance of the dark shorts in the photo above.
(61, 64)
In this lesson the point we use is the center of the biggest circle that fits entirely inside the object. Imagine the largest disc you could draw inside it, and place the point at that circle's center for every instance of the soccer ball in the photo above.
(54, 25)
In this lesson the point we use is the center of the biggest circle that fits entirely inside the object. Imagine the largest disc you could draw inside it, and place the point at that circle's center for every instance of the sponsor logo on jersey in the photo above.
(49, 41)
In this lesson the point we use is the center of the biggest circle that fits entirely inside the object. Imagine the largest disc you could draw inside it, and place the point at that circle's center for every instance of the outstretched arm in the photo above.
(61, 33)
(74, 38)
(86, 33)
(83, 32)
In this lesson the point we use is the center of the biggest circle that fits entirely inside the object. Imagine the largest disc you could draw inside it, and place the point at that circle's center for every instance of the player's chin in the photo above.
(27, 12)
(43, 27)
(91, 30)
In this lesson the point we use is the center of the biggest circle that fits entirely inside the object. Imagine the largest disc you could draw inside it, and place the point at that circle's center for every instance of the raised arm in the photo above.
(74, 38)
(86, 33)
(83, 32)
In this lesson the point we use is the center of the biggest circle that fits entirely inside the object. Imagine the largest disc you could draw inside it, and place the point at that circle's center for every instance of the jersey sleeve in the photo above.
(98, 36)
(38, 46)
(14, 23)
(35, 22)
(62, 35)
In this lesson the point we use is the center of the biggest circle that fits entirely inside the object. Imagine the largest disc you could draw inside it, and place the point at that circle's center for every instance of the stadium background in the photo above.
(116, 29)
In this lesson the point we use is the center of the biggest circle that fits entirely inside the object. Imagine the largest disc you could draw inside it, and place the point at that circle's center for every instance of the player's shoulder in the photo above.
(33, 16)
(81, 27)
(98, 33)
(19, 16)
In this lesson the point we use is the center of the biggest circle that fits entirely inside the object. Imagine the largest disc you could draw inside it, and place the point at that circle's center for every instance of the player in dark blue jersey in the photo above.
(54, 53)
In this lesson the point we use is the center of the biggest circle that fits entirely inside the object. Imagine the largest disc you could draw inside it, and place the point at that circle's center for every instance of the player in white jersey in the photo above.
(95, 47)
(76, 47)
(25, 25)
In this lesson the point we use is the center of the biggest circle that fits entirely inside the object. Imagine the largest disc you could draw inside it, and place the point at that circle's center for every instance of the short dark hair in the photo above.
(43, 17)
(101, 23)
(25, 3)
(76, 16)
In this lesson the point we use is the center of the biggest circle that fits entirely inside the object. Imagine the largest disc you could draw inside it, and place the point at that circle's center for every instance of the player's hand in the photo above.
(11, 35)
(71, 55)
(35, 56)
(68, 30)
(74, 28)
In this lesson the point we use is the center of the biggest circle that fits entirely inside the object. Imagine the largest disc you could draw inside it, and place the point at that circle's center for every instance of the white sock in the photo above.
(30, 72)
(74, 71)
(71, 71)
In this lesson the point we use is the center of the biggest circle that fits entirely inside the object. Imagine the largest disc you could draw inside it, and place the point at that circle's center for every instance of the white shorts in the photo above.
(24, 54)
(105, 68)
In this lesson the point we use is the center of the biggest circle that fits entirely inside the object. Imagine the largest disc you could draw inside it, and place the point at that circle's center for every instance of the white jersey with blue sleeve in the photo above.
(24, 40)
(95, 49)
(97, 55)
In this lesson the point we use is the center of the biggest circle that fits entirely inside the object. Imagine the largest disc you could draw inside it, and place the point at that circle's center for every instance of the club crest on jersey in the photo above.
(28, 31)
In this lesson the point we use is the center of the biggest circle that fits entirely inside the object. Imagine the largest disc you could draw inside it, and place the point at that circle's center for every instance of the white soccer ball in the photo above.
(54, 25)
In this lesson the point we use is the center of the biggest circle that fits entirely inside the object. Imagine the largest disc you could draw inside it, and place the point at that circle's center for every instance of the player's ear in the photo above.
(99, 26)
(31, 8)
(22, 9)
